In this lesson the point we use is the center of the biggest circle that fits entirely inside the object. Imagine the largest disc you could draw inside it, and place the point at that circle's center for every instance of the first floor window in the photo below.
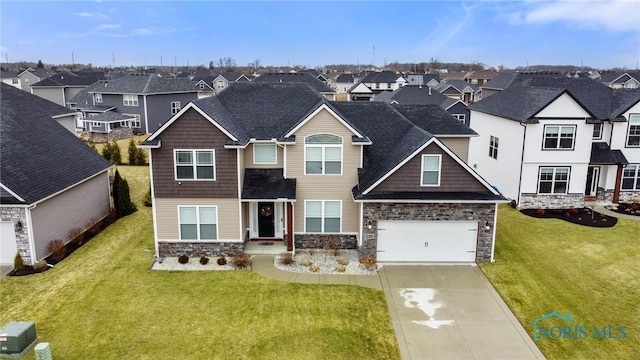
(633, 137)
(129, 100)
(15, 81)
(195, 165)
(198, 222)
(493, 147)
(135, 123)
(553, 180)
(430, 170)
(631, 177)
(98, 98)
(323, 216)
(96, 124)
(558, 137)
(175, 107)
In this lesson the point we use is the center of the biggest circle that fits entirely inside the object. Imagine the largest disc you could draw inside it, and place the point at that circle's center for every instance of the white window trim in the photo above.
(197, 207)
(322, 216)
(494, 143)
(175, 107)
(636, 178)
(135, 122)
(560, 127)
(460, 117)
(275, 150)
(439, 156)
(194, 165)
(98, 98)
(553, 180)
(626, 143)
(599, 137)
(324, 146)
(96, 124)
(130, 100)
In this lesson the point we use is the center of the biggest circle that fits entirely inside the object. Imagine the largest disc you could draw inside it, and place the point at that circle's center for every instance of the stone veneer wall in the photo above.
(193, 249)
(318, 241)
(549, 201)
(481, 213)
(625, 196)
(16, 214)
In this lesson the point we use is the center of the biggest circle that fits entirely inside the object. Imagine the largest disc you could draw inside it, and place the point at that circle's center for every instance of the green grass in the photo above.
(545, 265)
(103, 302)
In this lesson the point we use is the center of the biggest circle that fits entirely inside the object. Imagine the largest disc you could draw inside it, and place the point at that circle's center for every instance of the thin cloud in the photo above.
(108, 27)
(615, 15)
(84, 14)
(447, 29)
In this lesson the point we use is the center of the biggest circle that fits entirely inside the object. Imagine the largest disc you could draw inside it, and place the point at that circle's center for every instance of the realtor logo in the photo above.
(569, 329)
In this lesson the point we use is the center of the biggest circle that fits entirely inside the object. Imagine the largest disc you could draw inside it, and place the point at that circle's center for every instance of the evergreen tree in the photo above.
(106, 151)
(141, 158)
(40, 65)
(116, 155)
(116, 190)
(125, 206)
(132, 150)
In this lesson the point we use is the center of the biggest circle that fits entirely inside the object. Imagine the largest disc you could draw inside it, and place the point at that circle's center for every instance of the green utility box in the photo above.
(16, 338)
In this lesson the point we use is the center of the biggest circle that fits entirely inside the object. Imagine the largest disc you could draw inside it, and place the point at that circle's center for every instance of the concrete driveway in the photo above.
(452, 312)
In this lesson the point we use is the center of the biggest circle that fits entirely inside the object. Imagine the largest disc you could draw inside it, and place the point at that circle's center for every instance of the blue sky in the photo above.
(601, 34)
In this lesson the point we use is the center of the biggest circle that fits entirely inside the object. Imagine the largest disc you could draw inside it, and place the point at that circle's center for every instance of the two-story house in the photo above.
(148, 99)
(620, 80)
(61, 87)
(551, 142)
(224, 79)
(279, 161)
(10, 78)
(31, 76)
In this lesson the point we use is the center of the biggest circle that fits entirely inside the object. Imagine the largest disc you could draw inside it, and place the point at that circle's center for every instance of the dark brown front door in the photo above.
(265, 219)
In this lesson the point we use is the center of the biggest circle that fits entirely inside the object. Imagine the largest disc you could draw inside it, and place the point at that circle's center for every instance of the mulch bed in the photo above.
(580, 216)
(632, 209)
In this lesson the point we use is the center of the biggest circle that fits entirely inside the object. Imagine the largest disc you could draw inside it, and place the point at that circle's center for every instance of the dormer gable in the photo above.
(564, 106)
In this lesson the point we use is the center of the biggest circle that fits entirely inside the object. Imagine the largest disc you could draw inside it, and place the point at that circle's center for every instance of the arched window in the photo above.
(323, 154)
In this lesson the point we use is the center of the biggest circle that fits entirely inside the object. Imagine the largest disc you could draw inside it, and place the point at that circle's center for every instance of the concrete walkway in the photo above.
(605, 211)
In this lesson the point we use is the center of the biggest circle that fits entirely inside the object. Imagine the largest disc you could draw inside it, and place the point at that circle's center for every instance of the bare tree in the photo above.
(255, 64)
(227, 63)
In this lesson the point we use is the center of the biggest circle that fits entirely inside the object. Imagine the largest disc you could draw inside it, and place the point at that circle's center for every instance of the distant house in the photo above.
(344, 82)
(497, 84)
(620, 80)
(379, 81)
(424, 95)
(31, 76)
(458, 89)
(10, 78)
(423, 79)
(223, 80)
(63, 86)
(50, 182)
(304, 77)
(148, 98)
(480, 77)
(554, 142)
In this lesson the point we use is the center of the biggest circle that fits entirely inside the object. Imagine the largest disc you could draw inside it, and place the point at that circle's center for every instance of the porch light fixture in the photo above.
(369, 225)
(18, 226)
(487, 226)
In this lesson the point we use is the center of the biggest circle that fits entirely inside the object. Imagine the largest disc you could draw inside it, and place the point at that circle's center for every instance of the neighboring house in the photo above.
(148, 98)
(304, 77)
(360, 92)
(423, 79)
(50, 182)
(11, 78)
(385, 80)
(63, 86)
(31, 76)
(458, 89)
(344, 82)
(278, 161)
(424, 95)
(497, 84)
(552, 142)
(620, 80)
(223, 80)
(480, 77)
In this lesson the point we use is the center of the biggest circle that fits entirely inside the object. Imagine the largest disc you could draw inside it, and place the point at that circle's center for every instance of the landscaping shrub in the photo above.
(147, 198)
(286, 258)
(573, 211)
(314, 268)
(18, 263)
(341, 268)
(121, 197)
(222, 261)
(333, 246)
(540, 211)
(40, 266)
(76, 235)
(57, 250)
(116, 155)
(183, 259)
(106, 151)
(204, 260)
(136, 155)
(241, 260)
(369, 262)
(306, 263)
(343, 261)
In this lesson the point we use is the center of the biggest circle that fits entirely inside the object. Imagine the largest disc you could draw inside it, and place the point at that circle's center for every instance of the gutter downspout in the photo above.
(524, 138)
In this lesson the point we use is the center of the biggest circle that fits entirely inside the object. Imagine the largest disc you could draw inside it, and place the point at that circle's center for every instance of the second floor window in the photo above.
(98, 98)
(195, 164)
(597, 131)
(129, 100)
(633, 136)
(175, 107)
(220, 84)
(459, 117)
(264, 154)
(430, 174)
(559, 137)
(493, 147)
(323, 155)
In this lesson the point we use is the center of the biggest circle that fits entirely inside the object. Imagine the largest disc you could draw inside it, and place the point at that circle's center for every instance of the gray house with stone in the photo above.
(50, 182)
(279, 161)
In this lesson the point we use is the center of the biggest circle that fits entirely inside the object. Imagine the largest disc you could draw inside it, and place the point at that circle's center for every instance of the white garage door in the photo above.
(8, 247)
(437, 241)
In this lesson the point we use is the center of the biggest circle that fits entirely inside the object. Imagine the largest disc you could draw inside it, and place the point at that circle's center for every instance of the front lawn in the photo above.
(547, 265)
(103, 302)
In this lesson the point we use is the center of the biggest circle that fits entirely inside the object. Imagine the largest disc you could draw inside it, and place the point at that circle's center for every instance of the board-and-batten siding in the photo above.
(325, 187)
(248, 159)
(75, 208)
(459, 146)
(453, 176)
(167, 219)
(198, 133)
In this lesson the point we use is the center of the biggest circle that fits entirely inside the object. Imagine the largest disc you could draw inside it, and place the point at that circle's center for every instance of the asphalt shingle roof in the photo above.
(267, 184)
(39, 156)
(345, 78)
(146, 84)
(602, 154)
(70, 79)
(304, 77)
(380, 77)
(500, 82)
(412, 95)
(433, 119)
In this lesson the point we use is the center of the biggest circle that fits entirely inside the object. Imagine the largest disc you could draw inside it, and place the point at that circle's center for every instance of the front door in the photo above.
(265, 219)
(593, 175)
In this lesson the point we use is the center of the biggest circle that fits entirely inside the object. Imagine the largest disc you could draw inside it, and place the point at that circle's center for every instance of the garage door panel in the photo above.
(433, 241)
(8, 248)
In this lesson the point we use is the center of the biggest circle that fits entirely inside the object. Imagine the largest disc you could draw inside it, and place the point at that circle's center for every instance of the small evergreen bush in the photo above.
(183, 259)
(221, 261)
(204, 260)
(18, 263)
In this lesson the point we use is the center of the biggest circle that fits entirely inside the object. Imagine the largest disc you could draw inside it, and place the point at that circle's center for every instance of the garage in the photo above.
(427, 241)
(8, 247)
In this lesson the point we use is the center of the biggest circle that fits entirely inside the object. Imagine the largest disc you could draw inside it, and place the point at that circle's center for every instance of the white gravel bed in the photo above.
(171, 263)
(327, 263)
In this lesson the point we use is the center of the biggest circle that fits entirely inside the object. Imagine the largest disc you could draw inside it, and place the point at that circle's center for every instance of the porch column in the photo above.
(289, 227)
(616, 190)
